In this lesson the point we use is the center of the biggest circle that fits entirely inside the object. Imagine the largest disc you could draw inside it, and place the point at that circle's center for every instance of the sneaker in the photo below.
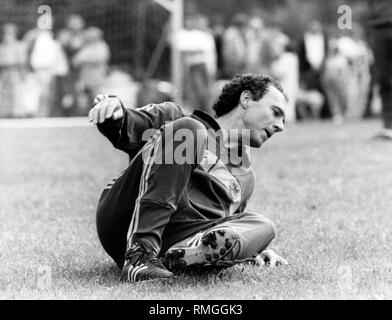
(141, 265)
(213, 247)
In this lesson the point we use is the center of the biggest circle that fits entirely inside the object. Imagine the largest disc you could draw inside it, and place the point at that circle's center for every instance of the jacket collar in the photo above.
(210, 122)
(207, 119)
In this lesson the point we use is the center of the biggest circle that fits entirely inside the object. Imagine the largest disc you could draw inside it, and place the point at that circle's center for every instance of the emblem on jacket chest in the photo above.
(235, 190)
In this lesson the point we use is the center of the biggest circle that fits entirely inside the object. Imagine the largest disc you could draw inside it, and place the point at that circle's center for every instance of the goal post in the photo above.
(176, 9)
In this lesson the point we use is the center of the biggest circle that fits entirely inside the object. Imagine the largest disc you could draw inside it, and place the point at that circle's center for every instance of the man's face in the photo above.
(265, 117)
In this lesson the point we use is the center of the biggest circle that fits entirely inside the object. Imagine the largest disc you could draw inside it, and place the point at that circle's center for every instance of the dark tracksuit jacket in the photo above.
(160, 205)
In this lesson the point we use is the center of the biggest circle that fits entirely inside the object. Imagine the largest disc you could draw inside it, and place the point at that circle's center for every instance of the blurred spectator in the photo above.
(309, 104)
(154, 91)
(338, 79)
(235, 46)
(218, 30)
(254, 42)
(92, 62)
(285, 69)
(312, 54)
(71, 39)
(197, 44)
(381, 22)
(259, 41)
(120, 83)
(363, 64)
(72, 36)
(209, 48)
(346, 77)
(46, 61)
(12, 70)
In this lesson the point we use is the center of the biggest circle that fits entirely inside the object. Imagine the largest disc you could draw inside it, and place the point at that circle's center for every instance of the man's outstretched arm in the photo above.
(124, 127)
(270, 258)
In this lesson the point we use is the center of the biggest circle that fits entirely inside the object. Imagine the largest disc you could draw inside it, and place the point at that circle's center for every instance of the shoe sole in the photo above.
(214, 246)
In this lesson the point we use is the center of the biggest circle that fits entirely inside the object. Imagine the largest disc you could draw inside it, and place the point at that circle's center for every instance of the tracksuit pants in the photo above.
(148, 203)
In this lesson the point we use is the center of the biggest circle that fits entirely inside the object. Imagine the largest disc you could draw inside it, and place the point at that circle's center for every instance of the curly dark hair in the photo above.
(257, 84)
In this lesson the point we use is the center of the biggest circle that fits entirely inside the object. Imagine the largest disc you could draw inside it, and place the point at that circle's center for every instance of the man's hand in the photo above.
(270, 258)
(105, 107)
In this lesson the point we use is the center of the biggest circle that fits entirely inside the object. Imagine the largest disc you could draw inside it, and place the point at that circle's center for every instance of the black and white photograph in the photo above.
(195, 150)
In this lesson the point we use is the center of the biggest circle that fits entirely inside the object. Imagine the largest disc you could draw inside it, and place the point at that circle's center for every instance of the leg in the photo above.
(383, 68)
(255, 232)
(235, 239)
(115, 208)
(138, 205)
(164, 181)
(333, 94)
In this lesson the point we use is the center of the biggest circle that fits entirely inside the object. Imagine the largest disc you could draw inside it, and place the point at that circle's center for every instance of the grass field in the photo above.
(327, 188)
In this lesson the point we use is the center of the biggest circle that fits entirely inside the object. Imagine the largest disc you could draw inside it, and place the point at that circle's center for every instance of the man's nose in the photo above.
(279, 125)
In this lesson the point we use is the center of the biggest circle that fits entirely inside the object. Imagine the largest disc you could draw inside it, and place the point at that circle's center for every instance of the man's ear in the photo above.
(245, 98)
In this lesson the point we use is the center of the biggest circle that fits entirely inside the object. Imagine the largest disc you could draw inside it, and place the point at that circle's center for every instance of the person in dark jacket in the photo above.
(312, 53)
(381, 22)
(184, 193)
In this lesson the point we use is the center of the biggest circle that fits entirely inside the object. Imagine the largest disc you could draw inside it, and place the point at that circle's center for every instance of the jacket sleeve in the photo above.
(126, 134)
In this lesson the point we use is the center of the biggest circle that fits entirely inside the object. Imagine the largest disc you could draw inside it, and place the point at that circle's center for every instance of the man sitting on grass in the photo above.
(182, 198)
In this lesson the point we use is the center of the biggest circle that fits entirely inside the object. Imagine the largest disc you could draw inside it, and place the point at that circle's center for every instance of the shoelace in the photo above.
(137, 254)
(152, 258)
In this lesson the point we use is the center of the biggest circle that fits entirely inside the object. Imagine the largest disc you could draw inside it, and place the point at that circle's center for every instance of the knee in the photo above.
(271, 228)
(267, 232)
(266, 226)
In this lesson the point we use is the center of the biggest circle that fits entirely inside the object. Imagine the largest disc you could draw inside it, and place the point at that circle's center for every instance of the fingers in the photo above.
(98, 98)
(283, 261)
(92, 115)
(258, 261)
(272, 259)
(266, 257)
(118, 112)
(113, 109)
(103, 110)
(105, 107)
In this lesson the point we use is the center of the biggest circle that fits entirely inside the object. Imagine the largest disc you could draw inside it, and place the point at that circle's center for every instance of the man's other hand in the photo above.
(105, 107)
(270, 258)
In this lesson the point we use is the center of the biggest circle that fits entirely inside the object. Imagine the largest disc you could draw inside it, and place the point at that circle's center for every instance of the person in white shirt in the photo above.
(13, 58)
(346, 77)
(92, 62)
(235, 46)
(197, 45)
